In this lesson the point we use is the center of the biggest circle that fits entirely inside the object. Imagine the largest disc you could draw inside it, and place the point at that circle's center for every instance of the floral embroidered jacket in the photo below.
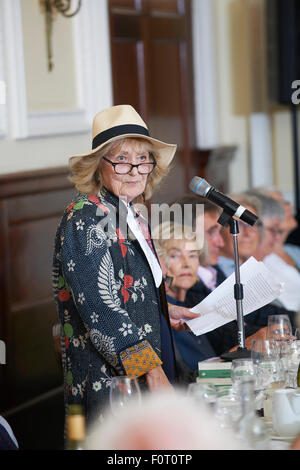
(106, 300)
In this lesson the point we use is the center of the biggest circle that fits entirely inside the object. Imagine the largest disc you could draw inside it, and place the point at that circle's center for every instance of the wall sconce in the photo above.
(50, 8)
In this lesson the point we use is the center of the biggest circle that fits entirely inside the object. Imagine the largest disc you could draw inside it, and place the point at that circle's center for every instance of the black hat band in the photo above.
(118, 131)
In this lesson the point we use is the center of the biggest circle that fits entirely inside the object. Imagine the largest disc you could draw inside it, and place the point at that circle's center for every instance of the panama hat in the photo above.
(119, 122)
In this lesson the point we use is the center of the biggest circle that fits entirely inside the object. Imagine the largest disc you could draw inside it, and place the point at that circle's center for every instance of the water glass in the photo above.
(203, 393)
(228, 409)
(241, 369)
(291, 359)
(269, 371)
(279, 328)
(123, 391)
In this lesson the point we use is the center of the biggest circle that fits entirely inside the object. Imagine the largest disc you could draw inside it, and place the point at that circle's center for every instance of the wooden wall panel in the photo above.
(169, 6)
(127, 74)
(31, 205)
(153, 70)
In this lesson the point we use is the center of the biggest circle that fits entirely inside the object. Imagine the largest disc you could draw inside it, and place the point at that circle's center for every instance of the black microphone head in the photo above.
(199, 186)
(249, 217)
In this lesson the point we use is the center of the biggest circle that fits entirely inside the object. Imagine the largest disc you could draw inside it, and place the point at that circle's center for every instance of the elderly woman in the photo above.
(108, 285)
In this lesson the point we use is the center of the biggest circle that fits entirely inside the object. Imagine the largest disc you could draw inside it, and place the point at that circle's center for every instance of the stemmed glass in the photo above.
(123, 391)
(270, 373)
(203, 393)
(290, 357)
(279, 328)
(241, 369)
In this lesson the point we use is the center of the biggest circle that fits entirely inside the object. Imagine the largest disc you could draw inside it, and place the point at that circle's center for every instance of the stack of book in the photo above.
(215, 373)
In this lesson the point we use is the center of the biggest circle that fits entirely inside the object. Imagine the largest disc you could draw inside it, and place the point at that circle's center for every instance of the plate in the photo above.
(282, 438)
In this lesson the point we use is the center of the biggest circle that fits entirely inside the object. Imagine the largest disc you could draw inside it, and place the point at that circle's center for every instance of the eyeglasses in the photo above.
(125, 168)
(274, 232)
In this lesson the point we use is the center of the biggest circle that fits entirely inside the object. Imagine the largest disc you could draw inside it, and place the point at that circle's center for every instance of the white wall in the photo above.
(48, 115)
(47, 118)
(242, 113)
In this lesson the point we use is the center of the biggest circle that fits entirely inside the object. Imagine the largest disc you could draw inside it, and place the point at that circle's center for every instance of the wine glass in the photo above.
(270, 371)
(279, 328)
(290, 356)
(203, 393)
(241, 369)
(265, 357)
(123, 391)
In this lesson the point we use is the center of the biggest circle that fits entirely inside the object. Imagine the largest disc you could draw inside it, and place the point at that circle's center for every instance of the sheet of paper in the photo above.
(290, 296)
(219, 307)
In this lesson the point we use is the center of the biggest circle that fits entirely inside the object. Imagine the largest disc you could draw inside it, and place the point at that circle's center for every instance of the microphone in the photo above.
(203, 188)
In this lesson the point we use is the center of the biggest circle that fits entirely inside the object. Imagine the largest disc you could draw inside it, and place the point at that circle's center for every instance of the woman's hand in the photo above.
(178, 315)
(157, 379)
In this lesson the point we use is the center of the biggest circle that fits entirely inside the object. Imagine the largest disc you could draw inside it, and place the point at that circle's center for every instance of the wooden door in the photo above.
(152, 71)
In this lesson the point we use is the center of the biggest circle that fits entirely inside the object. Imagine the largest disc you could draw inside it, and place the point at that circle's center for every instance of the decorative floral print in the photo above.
(80, 225)
(101, 286)
(71, 265)
(126, 329)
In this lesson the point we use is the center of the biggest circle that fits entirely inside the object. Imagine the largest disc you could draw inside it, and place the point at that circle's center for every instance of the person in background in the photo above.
(208, 271)
(278, 260)
(182, 257)
(249, 237)
(210, 275)
(288, 252)
(8, 440)
(271, 215)
(179, 251)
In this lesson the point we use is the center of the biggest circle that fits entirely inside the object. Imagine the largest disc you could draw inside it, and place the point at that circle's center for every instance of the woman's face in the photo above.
(132, 184)
(183, 256)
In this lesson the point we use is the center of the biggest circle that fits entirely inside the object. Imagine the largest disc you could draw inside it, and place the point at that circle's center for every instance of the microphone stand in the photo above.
(226, 219)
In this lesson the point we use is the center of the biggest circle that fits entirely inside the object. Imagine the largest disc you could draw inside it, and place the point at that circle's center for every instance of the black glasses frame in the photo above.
(132, 166)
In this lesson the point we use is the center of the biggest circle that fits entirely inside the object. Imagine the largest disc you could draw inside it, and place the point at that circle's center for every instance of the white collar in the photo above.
(151, 258)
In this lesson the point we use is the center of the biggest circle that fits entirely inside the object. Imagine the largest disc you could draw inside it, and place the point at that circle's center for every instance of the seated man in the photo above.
(249, 237)
(258, 241)
(290, 253)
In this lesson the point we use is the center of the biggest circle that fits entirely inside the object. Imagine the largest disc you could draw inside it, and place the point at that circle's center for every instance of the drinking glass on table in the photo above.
(279, 328)
(269, 370)
(203, 393)
(266, 360)
(228, 409)
(241, 369)
(290, 357)
(123, 391)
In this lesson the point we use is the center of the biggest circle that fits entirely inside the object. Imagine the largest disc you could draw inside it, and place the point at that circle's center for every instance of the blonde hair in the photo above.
(167, 231)
(86, 171)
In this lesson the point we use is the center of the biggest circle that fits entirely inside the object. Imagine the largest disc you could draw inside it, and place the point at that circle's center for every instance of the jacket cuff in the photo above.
(137, 360)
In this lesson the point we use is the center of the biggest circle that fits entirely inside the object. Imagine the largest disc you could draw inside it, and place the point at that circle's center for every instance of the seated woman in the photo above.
(180, 259)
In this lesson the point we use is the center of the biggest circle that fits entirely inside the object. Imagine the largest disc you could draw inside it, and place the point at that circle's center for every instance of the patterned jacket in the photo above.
(106, 300)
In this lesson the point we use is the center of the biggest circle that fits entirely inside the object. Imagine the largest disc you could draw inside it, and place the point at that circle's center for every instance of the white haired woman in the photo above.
(108, 286)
